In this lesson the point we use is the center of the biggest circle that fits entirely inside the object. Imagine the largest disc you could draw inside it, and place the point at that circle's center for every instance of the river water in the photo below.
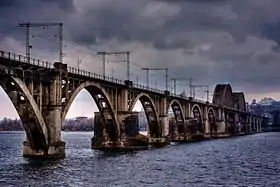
(243, 161)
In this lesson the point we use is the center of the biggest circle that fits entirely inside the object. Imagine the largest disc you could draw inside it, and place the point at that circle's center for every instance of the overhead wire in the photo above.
(135, 66)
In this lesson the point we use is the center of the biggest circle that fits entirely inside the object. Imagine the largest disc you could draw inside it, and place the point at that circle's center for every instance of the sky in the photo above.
(211, 41)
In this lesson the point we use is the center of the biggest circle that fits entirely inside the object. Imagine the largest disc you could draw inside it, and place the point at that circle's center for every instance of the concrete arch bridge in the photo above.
(42, 93)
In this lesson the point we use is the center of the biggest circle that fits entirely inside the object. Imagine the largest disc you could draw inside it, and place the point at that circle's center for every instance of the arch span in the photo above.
(28, 111)
(178, 115)
(197, 114)
(239, 101)
(155, 129)
(102, 100)
(223, 95)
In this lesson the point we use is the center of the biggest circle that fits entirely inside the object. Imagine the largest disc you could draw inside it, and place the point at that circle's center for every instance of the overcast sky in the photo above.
(212, 41)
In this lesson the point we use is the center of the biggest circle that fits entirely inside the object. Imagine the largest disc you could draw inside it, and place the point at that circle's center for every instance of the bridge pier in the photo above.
(50, 94)
(222, 131)
(207, 130)
(54, 150)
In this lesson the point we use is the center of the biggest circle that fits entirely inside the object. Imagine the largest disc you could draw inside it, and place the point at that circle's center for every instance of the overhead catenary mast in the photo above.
(104, 53)
(181, 79)
(29, 25)
(156, 69)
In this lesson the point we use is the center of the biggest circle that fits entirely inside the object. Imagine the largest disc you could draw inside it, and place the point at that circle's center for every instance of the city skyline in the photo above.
(220, 48)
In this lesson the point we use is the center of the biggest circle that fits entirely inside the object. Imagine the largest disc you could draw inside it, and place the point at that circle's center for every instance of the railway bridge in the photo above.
(43, 92)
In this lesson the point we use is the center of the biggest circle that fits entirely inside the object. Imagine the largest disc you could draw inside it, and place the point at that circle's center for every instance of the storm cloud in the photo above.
(212, 41)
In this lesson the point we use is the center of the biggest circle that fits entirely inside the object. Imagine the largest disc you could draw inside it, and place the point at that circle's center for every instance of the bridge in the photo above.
(43, 92)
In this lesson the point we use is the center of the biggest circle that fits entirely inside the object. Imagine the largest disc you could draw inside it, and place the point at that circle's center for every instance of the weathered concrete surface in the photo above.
(55, 150)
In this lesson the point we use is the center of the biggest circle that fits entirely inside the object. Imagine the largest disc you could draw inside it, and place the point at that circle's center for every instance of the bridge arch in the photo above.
(28, 111)
(178, 115)
(151, 114)
(196, 113)
(239, 101)
(102, 100)
(223, 95)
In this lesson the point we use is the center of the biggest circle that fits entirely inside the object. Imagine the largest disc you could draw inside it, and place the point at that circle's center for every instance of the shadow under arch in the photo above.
(27, 109)
(197, 114)
(178, 117)
(103, 103)
(155, 129)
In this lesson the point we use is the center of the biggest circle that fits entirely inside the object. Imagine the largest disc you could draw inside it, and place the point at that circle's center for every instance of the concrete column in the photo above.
(40, 96)
(259, 124)
(207, 127)
(250, 124)
(52, 115)
(162, 109)
(164, 124)
(205, 120)
(188, 110)
(221, 125)
(123, 100)
(237, 123)
(220, 115)
(162, 113)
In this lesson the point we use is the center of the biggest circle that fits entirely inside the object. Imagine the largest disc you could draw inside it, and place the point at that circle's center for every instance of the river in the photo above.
(242, 161)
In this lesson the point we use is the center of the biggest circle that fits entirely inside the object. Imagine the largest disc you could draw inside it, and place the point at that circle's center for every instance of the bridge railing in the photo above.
(94, 75)
(24, 59)
(139, 86)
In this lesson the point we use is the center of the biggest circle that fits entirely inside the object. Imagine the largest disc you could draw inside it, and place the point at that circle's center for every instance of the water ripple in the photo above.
(244, 161)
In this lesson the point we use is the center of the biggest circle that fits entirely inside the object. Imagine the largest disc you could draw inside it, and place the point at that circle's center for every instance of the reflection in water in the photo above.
(243, 161)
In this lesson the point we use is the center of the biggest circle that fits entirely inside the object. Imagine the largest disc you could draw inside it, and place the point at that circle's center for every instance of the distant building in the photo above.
(267, 107)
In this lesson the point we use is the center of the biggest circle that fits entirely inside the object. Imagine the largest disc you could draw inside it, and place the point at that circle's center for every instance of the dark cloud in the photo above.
(6, 3)
(210, 40)
(271, 31)
(62, 4)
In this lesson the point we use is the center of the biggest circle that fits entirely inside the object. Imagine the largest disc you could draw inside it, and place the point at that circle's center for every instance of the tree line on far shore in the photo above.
(83, 124)
(77, 124)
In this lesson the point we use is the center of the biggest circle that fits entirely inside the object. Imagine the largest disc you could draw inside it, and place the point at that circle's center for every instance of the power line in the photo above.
(127, 53)
(180, 79)
(156, 69)
(67, 44)
(29, 25)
